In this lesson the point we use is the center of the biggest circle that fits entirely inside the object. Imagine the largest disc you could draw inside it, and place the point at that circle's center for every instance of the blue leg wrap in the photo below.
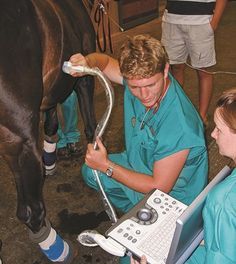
(55, 251)
(52, 245)
(49, 158)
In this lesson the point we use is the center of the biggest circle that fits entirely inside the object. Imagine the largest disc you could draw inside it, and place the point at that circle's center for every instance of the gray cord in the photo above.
(67, 67)
(210, 72)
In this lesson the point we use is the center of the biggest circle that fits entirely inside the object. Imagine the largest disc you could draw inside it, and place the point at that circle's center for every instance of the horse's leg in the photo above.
(83, 29)
(24, 159)
(26, 165)
(85, 90)
(52, 245)
(21, 89)
(21, 93)
(50, 242)
(50, 139)
(20, 148)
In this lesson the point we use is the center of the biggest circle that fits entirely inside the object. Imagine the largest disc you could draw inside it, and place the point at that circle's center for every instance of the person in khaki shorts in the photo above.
(188, 31)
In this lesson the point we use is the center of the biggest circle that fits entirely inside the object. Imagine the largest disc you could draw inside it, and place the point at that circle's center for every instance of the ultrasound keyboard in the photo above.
(164, 233)
(149, 227)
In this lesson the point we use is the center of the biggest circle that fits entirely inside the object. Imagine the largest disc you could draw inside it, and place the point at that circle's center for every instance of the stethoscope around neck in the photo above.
(154, 108)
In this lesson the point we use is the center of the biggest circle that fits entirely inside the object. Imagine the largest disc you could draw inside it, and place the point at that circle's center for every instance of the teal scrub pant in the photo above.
(198, 256)
(118, 194)
(124, 260)
(69, 132)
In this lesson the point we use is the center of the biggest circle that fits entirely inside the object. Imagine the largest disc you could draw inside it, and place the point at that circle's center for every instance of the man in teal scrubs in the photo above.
(164, 139)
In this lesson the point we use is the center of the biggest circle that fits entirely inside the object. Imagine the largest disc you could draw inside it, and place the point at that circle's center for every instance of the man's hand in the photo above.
(97, 159)
(78, 60)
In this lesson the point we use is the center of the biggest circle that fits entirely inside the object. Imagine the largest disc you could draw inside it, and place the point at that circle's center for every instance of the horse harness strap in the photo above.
(99, 18)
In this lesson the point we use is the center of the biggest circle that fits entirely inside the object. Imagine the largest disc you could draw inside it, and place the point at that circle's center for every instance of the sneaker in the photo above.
(63, 153)
(75, 149)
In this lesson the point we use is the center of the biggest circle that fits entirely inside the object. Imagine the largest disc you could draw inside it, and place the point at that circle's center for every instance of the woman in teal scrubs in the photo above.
(220, 210)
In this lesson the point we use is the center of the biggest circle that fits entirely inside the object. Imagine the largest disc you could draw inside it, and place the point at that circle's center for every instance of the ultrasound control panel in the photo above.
(157, 206)
(154, 216)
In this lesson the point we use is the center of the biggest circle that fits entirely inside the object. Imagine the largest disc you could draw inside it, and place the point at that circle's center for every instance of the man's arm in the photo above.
(108, 65)
(219, 9)
(165, 171)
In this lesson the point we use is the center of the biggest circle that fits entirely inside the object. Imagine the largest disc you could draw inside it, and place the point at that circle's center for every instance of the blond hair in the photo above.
(142, 56)
(226, 105)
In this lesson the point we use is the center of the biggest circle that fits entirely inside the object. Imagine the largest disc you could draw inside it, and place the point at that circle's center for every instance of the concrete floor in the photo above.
(72, 206)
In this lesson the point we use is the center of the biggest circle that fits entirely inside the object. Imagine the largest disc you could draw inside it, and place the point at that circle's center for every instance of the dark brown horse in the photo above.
(36, 37)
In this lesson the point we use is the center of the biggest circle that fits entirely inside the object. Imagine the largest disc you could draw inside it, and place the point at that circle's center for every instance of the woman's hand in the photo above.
(143, 260)
(97, 159)
(78, 60)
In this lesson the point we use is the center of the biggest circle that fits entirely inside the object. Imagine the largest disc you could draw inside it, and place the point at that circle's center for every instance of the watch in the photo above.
(109, 171)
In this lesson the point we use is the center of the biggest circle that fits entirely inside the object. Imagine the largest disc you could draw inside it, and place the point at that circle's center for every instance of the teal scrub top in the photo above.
(219, 216)
(152, 136)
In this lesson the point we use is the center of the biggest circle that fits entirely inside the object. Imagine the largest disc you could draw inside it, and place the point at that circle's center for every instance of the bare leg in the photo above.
(205, 93)
(178, 72)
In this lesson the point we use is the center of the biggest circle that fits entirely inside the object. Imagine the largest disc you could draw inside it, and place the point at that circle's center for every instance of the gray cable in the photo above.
(209, 72)
(67, 68)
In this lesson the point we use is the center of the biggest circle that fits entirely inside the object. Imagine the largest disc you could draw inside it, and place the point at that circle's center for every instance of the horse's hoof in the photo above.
(50, 172)
(63, 153)
(75, 149)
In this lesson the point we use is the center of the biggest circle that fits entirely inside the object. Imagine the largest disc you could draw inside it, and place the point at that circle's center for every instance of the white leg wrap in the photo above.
(49, 147)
